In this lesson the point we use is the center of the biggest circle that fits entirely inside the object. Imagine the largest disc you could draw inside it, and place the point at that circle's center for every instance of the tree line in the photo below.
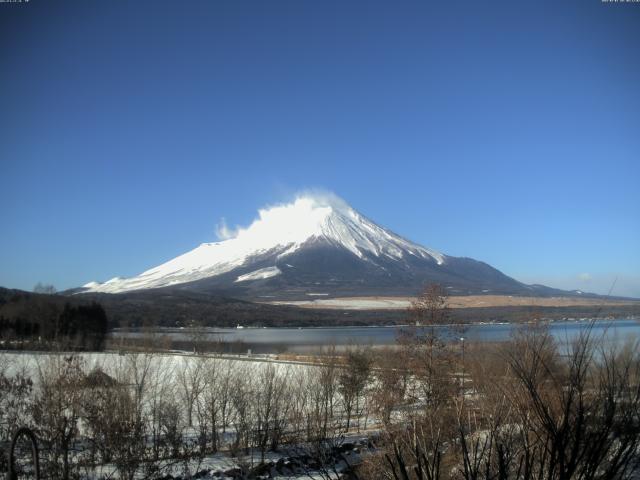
(51, 322)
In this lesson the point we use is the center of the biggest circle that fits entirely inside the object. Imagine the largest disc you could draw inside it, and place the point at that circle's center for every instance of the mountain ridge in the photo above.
(318, 244)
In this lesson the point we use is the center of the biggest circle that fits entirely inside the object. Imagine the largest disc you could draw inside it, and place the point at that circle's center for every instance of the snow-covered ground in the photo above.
(157, 377)
(115, 365)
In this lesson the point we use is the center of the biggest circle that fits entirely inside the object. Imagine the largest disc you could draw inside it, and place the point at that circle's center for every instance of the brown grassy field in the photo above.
(470, 301)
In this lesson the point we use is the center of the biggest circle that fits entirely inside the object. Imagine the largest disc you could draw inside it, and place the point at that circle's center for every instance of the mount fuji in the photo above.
(317, 245)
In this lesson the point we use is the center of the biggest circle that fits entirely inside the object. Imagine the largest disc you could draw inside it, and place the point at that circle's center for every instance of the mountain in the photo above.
(318, 246)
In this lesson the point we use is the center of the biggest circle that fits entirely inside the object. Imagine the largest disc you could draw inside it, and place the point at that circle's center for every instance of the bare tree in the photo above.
(318, 403)
(191, 378)
(352, 381)
(270, 408)
(57, 410)
(423, 350)
(390, 386)
(535, 414)
(161, 387)
(431, 307)
(114, 428)
(209, 411)
(16, 391)
(243, 419)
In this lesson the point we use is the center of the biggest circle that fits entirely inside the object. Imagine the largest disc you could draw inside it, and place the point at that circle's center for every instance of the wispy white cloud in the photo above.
(223, 232)
(313, 197)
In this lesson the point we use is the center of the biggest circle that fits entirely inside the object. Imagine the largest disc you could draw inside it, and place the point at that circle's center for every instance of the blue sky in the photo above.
(504, 131)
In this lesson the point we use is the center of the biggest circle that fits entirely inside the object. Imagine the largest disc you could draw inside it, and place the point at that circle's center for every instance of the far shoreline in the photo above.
(226, 330)
(398, 303)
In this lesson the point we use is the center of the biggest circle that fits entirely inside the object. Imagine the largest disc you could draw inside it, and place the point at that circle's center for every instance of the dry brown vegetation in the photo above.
(462, 301)
(527, 409)
(434, 410)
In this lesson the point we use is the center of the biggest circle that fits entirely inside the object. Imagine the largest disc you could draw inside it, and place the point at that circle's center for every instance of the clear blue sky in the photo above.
(506, 131)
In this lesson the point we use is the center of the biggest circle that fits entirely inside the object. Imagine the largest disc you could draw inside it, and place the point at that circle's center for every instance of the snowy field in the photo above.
(253, 404)
(170, 365)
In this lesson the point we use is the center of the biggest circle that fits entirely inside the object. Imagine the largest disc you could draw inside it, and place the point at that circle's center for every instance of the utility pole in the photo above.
(463, 373)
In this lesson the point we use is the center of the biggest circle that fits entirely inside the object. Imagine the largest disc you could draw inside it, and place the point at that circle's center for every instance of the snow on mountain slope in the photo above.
(260, 274)
(280, 230)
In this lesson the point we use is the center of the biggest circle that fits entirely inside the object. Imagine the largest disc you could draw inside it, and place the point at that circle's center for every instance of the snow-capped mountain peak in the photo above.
(279, 230)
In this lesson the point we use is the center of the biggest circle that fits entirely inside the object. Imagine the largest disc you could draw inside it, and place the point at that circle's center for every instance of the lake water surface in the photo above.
(268, 340)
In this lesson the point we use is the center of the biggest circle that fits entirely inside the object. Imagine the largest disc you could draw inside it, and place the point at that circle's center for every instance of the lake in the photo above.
(304, 340)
